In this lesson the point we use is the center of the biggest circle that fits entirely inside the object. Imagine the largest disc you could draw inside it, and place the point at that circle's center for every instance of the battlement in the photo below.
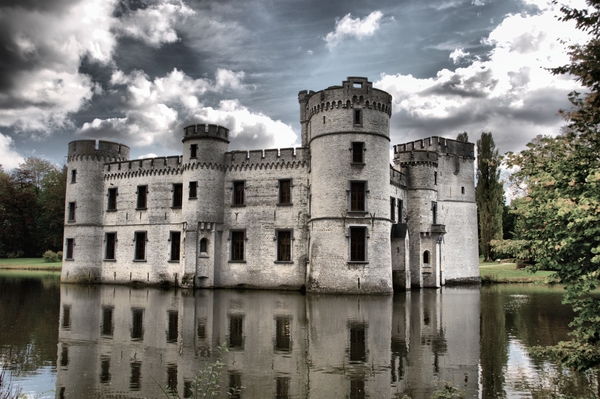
(97, 149)
(416, 157)
(354, 92)
(205, 131)
(146, 164)
(437, 144)
(268, 157)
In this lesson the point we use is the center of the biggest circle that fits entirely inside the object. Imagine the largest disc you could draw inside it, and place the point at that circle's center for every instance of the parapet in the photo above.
(204, 131)
(97, 149)
(146, 165)
(260, 159)
(416, 157)
(437, 144)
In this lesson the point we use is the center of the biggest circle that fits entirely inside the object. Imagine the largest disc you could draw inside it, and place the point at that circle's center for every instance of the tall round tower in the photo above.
(204, 148)
(85, 203)
(347, 130)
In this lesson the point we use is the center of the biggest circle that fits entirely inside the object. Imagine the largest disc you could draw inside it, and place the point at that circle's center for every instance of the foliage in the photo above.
(448, 392)
(463, 137)
(489, 193)
(51, 256)
(502, 249)
(559, 218)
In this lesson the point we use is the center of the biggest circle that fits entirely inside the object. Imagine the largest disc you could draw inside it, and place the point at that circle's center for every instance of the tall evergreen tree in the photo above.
(489, 193)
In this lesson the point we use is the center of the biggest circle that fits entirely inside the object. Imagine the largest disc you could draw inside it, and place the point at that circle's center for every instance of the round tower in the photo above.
(347, 130)
(85, 203)
(204, 148)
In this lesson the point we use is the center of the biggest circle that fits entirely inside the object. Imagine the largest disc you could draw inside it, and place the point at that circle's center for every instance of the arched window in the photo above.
(426, 257)
(203, 245)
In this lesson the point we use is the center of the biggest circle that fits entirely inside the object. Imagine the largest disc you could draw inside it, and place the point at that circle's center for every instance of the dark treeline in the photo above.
(32, 207)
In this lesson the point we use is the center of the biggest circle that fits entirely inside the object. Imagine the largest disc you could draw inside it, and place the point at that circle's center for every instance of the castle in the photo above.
(330, 216)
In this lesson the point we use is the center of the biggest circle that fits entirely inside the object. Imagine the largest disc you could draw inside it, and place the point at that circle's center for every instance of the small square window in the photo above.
(177, 195)
(193, 189)
(238, 192)
(142, 197)
(285, 192)
(358, 155)
(112, 199)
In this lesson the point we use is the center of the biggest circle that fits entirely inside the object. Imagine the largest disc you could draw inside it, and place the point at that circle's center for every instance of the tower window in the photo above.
(237, 245)
(285, 192)
(175, 245)
(426, 257)
(462, 190)
(111, 243)
(70, 248)
(358, 117)
(140, 245)
(358, 149)
(284, 245)
(177, 195)
(112, 199)
(357, 196)
(435, 178)
(141, 197)
(193, 189)
(137, 324)
(358, 244)
(71, 217)
(400, 210)
(393, 209)
(74, 176)
(193, 150)
(203, 245)
(238, 193)
(434, 212)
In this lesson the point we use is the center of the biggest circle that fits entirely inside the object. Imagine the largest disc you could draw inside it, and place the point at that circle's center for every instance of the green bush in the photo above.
(51, 256)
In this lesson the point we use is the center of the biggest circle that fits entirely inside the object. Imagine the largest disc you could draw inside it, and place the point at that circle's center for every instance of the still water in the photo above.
(70, 341)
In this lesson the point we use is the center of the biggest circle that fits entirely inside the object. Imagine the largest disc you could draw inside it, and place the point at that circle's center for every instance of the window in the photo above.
(107, 321)
(284, 246)
(112, 199)
(358, 244)
(285, 192)
(173, 331)
(462, 190)
(400, 210)
(142, 197)
(202, 328)
(236, 332)
(140, 245)
(177, 195)
(393, 209)
(357, 196)
(238, 192)
(358, 149)
(70, 248)
(137, 324)
(283, 333)
(357, 117)
(426, 257)
(111, 241)
(235, 385)
(71, 217)
(193, 150)
(135, 376)
(283, 388)
(64, 355)
(358, 345)
(175, 245)
(172, 378)
(357, 389)
(66, 319)
(74, 176)
(104, 369)
(435, 178)
(203, 245)
(237, 245)
(434, 212)
(193, 189)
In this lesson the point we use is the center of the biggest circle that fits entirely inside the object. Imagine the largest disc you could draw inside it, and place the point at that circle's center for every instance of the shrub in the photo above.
(51, 256)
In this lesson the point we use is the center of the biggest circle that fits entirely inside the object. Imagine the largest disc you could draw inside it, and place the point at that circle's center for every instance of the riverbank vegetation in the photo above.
(30, 264)
(494, 273)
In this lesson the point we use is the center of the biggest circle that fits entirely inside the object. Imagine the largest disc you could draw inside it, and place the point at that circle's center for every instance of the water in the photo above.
(92, 341)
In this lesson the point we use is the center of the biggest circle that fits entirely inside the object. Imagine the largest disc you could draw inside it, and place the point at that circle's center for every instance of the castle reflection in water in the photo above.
(125, 342)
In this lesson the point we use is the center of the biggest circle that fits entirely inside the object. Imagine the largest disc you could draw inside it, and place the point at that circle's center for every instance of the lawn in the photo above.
(493, 272)
(29, 264)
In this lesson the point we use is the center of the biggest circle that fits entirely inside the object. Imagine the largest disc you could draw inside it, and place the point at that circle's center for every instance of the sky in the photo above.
(138, 71)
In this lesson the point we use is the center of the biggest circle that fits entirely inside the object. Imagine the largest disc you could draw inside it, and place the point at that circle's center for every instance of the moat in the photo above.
(74, 341)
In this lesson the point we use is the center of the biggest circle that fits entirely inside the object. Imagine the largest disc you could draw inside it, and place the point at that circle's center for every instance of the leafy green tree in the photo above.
(52, 209)
(463, 137)
(489, 193)
(559, 218)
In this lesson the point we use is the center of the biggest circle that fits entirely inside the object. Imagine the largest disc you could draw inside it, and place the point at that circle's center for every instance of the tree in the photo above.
(52, 209)
(489, 193)
(559, 218)
(463, 137)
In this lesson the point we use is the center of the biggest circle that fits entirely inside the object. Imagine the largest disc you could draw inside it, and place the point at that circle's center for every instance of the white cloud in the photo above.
(348, 27)
(512, 94)
(10, 158)
(458, 55)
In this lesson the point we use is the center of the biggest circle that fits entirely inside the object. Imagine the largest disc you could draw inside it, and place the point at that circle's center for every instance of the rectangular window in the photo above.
(357, 117)
(193, 189)
(104, 369)
(283, 333)
(435, 178)
(64, 355)
(70, 248)
(283, 388)
(136, 376)
(235, 386)
(357, 196)
(140, 245)
(236, 332)
(358, 149)
(434, 212)
(71, 212)
(193, 150)
(107, 321)
(74, 176)
(284, 245)
(237, 245)
(177, 195)
(66, 319)
(175, 245)
(201, 328)
(462, 190)
(358, 345)
(357, 389)
(137, 324)
(112, 199)
(285, 192)
(393, 209)
(358, 244)
(172, 378)
(238, 192)
(111, 243)
(142, 197)
(173, 331)
(400, 210)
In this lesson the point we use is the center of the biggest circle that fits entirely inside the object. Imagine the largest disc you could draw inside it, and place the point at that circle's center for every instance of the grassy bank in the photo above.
(493, 272)
(30, 264)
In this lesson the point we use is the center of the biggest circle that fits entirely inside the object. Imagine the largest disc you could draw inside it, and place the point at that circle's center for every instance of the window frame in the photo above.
(356, 201)
(234, 253)
(358, 244)
(287, 247)
(71, 212)
(175, 246)
(193, 151)
(112, 195)
(238, 197)
(141, 202)
(70, 248)
(193, 190)
(358, 152)
(357, 117)
(284, 196)
(107, 245)
(140, 238)
(177, 200)
(73, 176)
(393, 209)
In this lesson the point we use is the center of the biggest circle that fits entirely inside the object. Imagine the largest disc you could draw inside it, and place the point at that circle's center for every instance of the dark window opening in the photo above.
(283, 334)
(400, 210)
(393, 209)
(357, 196)
(193, 189)
(140, 245)
(462, 190)
(71, 212)
(282, 388)
(70, 248)
(175, 245)
(107, 321)
(187, 389)
(173, 331)
(358, 250)
(64, 355)
(201, 330)
(357, 389)
(111, 241)
(434, 212)
(142, 197)
(104, 370)
(203, 245)
(177, 195)
(236, 332)
(238, 193)
(235, 386)
(358, 117)
(237, 245)
(137, 324)
(358, 152)
(112, 199)
(136, 376)
(172, 378)
(358, 345)
(285, 191)
(66, 319)
(193, 150)
(74, 176)
(426, 257)
(284, 246)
